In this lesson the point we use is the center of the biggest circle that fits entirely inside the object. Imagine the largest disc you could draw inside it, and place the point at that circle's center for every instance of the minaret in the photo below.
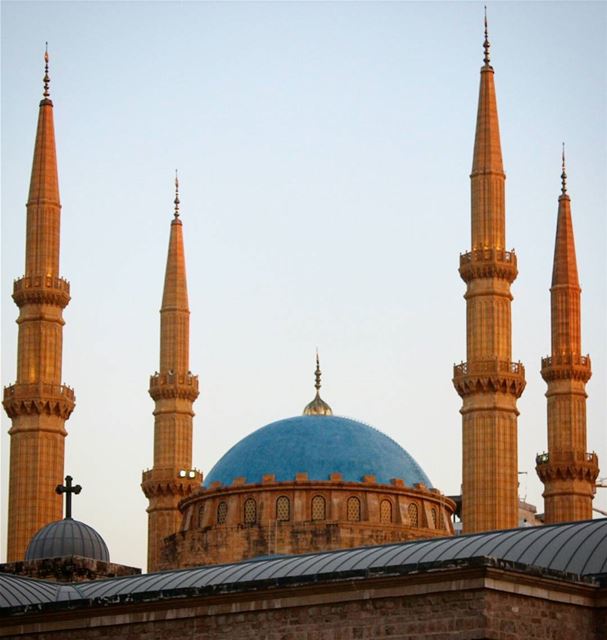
(38, 403)
(488, 382)
(568, 471)
(173, 390)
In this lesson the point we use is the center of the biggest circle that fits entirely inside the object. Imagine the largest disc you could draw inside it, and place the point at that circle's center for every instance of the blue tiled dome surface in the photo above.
(319, 446)
(67, 538)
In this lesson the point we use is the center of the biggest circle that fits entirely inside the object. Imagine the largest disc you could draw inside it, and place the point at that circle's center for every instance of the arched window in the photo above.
(283, 508)
(385, 511)
(222, 512)
(413, 517)
(434, 518)
(200, 515)
(250, 511)
(319, 508)
(353, 509)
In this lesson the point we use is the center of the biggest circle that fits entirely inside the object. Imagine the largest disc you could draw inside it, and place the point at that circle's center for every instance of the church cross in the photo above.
(68, 490)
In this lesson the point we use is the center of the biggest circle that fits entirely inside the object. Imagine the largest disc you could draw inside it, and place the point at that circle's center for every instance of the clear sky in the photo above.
(324, 152)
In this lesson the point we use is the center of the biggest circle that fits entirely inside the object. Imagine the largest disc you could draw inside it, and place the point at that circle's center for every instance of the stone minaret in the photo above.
(38, 403)
(567, 470)
(173, 390)
(488, 382)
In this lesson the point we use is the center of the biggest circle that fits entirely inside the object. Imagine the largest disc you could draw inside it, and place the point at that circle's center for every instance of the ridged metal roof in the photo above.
(578, 549)
(67, 537)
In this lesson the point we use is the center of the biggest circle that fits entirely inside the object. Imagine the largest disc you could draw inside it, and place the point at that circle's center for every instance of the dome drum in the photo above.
(247, 520)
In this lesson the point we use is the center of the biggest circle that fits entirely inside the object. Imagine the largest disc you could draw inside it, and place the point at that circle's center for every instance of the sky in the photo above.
(324, 152)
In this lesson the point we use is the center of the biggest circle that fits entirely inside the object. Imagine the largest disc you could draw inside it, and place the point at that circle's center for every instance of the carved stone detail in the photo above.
(488, 263)
(489, 375)
(41, 290)
(39, 399)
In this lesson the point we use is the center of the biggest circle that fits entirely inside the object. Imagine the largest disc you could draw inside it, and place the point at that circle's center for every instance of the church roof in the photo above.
(574, 551)
(67, 537)
(317, 445)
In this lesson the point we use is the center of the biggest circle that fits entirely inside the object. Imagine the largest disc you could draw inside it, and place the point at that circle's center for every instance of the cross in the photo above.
(68, 490)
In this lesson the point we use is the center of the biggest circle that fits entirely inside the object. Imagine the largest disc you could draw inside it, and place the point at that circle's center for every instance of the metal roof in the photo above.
(577, 549)
(67, 537)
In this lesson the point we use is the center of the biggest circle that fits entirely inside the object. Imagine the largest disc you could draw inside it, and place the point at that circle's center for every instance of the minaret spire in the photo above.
(486, 45)
(563, 173)
(46, 80)
(488, 382)
(174, 390)
(568, 471)
(38, 403)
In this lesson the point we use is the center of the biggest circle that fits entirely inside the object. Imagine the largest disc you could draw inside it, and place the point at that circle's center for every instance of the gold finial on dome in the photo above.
(318, 407)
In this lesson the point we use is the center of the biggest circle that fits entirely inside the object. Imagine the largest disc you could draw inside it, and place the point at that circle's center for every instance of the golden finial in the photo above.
(176, 201)
(564, 174)
(318, 407)
(486, 44)
(46, 93)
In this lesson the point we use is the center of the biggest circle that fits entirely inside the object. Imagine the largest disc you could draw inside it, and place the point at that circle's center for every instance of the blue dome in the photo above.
(319, 446)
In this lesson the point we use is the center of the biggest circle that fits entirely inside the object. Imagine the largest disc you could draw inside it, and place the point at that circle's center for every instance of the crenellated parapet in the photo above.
(41, 289)
(38, 398)
(488, 263)
(158, 483)
(489, 376)
(174, 385)
(567, 465)
(567, 366)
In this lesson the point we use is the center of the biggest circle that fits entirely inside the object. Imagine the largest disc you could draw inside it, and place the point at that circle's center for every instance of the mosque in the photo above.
(316, 523)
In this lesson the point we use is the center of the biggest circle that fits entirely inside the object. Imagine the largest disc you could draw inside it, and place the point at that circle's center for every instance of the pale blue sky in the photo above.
(324, 151)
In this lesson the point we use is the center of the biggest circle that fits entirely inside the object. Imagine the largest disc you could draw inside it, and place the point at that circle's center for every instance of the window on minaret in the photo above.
(353, 510)
(250, 511)
(413, 516)
(222, 512)
(319, 508)
(385, 511)
(283, 508)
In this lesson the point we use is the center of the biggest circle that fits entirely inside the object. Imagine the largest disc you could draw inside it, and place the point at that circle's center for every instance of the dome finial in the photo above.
(563, 174)
(318, 407)
(176, 201)
(46, 79)
(486, 44)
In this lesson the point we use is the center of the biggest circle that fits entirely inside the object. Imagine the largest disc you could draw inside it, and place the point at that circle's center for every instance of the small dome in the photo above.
(67, 538)
(317, 445)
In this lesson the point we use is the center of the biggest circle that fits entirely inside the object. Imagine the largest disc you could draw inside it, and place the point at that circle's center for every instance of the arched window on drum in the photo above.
(250, 511)
(319, 508)
(283, 508)
(353, 509)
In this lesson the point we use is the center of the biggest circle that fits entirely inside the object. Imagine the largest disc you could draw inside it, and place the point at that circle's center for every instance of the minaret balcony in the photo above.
(488, 263)
(39, 398)
(567, 465)
(41, 289)
(491, 376)
(174, 385)
(566, 366)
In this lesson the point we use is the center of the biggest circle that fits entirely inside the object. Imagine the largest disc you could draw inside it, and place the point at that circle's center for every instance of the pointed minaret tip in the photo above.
(486, 44)
(564, 173)
(46, 78)
(176, 201)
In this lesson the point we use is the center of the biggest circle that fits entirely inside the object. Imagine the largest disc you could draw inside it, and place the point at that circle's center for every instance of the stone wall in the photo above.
(464, 605)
